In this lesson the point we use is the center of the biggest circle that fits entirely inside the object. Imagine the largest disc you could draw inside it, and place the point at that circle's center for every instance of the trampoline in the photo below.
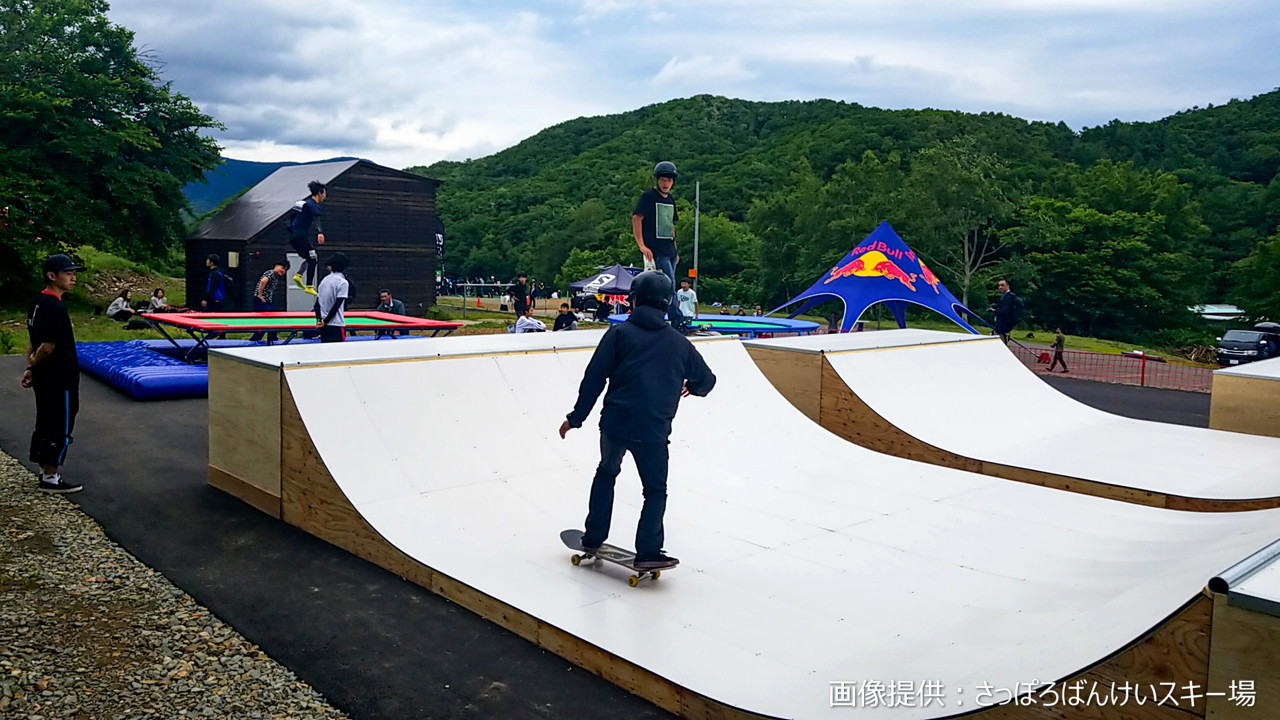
(748, 325)
(204, 326)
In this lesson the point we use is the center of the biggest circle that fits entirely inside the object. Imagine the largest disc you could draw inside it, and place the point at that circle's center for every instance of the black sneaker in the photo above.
(656, 562)
(62, 487)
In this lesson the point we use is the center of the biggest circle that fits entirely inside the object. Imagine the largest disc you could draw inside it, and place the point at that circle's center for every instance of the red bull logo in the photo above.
(872, 264)
(930, 279)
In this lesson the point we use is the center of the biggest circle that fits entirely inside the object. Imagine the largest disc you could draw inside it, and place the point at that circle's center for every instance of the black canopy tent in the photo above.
(615, 280)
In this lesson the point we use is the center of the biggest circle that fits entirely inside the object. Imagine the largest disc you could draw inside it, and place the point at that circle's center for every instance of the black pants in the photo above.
(333, 333)
(302, 246)
(263, 307)
(1057, 358)
(651, 462)
(56, 408)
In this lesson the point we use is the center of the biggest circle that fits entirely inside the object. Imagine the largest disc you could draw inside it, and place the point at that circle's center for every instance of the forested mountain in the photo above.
(1110, 231)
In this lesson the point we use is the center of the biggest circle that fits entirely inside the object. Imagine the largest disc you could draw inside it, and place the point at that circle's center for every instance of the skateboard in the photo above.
(609, 553)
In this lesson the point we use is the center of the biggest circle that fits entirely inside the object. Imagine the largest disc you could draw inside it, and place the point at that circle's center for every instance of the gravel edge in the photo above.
(89, 631)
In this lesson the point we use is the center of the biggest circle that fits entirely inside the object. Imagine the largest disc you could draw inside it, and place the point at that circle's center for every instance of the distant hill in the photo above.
(232, 177)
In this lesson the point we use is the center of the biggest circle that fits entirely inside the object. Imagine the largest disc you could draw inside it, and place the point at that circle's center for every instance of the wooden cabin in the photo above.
(384, 220)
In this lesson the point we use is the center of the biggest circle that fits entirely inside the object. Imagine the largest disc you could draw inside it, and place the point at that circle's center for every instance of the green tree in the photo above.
(1254, 280)
(1118, 257)
(95, 147)
(954, 200)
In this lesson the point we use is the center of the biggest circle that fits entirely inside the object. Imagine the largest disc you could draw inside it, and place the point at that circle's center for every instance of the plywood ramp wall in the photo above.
(1245, 404)
(244, 431)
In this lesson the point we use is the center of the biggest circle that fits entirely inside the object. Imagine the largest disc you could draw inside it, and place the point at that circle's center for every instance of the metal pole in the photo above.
(697, 205)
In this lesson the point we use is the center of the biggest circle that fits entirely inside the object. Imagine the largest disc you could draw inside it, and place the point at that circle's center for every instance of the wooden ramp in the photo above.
(964, 401)
(1246, 399)
(808, 563)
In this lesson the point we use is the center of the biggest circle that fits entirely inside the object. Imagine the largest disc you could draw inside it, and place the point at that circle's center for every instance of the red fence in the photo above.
(1129, 369)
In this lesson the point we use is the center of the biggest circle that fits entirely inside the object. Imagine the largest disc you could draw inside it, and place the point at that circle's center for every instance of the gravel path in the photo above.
(88, 631)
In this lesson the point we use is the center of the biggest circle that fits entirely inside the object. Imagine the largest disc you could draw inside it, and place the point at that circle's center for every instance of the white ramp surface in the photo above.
(806, 560)
(969, 395)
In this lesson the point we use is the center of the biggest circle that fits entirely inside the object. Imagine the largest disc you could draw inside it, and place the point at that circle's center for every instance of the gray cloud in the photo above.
(407, 82)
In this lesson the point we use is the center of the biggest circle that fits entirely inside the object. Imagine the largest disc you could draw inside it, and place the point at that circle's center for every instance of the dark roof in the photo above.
(268, 201)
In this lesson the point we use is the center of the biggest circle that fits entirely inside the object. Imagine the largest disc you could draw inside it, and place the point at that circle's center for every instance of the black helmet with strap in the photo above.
(665, 168)
(651, 289)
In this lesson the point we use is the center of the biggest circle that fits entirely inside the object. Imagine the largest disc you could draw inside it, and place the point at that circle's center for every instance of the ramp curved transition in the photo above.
(806, 560)
(965, 401)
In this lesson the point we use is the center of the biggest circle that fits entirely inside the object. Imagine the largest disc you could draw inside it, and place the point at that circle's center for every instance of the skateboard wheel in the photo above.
(657, 574)
(575, 559)
(633, 581)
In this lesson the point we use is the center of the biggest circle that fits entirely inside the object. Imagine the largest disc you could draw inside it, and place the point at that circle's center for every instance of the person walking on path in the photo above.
(1059, 343)
(649, 367)
(302, 215)
(1008, 311)
(53, 373)
(331, 300)
(215, 286)
(653, 223)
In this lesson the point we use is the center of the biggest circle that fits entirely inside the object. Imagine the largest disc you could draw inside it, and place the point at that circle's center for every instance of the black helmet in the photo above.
(665, 168)
(651, 289)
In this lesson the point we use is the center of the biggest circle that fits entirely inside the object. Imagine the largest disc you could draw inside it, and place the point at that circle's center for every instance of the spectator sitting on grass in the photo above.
(528, 323)
(158, 303)
(119, 309)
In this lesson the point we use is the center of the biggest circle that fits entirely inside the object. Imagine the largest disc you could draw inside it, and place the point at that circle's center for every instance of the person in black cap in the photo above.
(331, 301)
(53, 372)
(649, 366)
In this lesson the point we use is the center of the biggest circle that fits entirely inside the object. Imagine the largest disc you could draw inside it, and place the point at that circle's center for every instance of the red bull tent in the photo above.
(882, 269)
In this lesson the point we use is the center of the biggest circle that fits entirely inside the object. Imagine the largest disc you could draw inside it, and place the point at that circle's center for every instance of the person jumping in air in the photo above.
(649, 366)
(301, 216)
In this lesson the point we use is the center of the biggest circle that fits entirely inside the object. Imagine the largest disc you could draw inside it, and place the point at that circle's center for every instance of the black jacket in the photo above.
(1008, 312)
(647, 363)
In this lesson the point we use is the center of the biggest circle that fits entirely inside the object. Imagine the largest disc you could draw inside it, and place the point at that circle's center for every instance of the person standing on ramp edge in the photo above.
(300, 217)
(649, 366)
(653, 223)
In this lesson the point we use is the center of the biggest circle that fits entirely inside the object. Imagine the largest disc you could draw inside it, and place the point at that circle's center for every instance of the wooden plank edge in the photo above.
(252, 495)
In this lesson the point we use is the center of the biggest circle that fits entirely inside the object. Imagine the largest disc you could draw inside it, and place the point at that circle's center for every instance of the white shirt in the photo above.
(688, 300)
(528, 324)
(117, 305)
(333, 289)
(157, 303)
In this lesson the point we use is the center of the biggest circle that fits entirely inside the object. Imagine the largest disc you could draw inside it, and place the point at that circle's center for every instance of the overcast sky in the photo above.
(409, 82)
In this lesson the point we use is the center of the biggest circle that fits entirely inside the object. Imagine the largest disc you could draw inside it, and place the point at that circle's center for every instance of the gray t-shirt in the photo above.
(333, 289)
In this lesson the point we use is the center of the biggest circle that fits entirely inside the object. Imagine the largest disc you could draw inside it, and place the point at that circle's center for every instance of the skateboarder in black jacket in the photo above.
(649, 366)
